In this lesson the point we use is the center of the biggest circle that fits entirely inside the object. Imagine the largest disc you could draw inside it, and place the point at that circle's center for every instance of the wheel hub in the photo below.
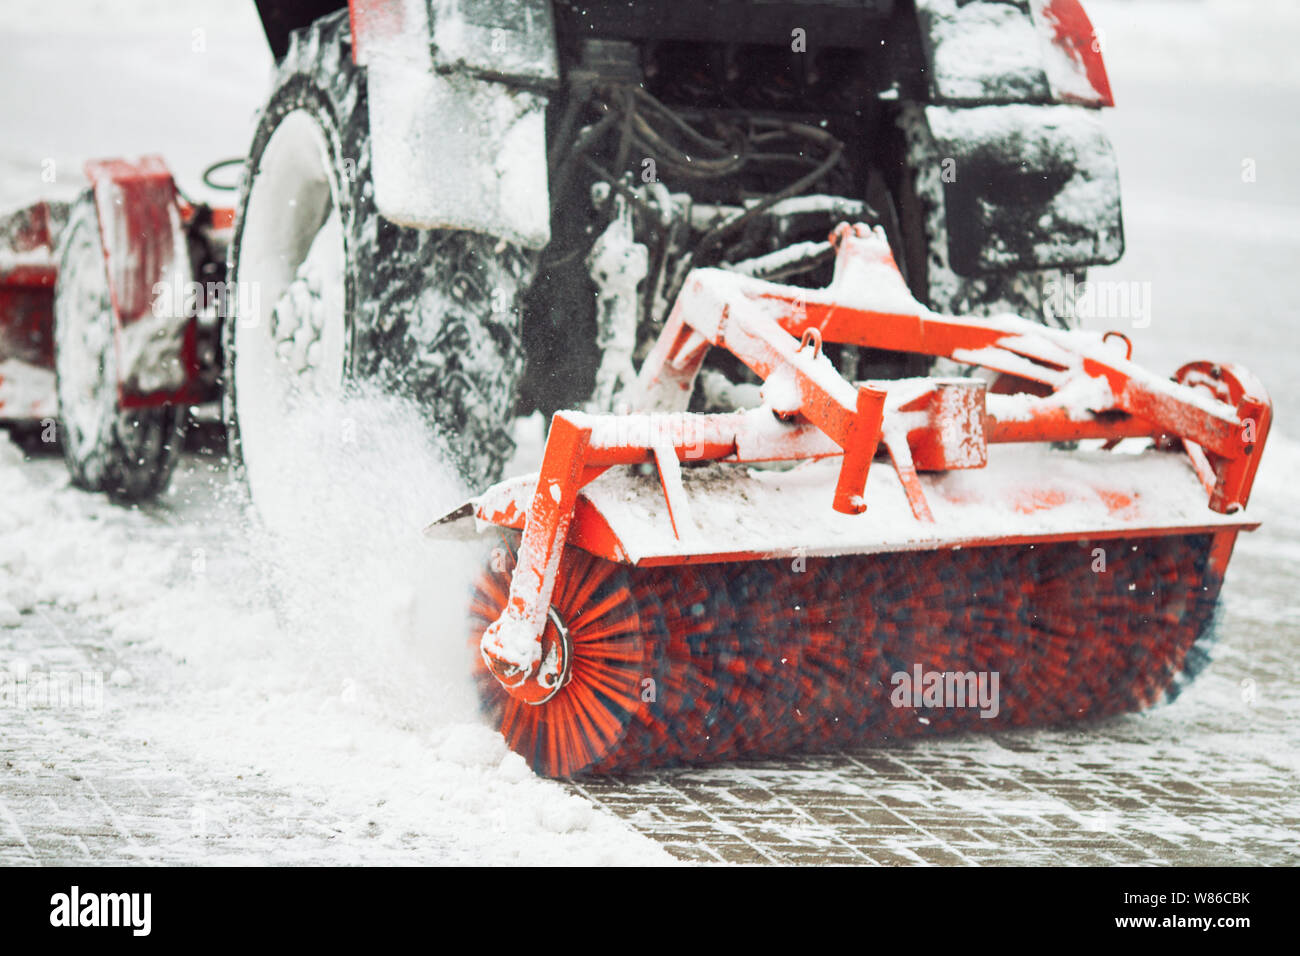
(549, 676)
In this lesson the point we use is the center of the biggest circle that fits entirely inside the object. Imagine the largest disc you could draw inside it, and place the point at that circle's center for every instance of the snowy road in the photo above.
(299, 699)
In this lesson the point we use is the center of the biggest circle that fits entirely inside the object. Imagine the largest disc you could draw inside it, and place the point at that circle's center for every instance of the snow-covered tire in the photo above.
(429, 315)
(128, 453)
(918, 192)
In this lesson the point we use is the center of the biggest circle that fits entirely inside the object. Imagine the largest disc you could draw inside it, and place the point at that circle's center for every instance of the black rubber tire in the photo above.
(431, 315)
(135, 451)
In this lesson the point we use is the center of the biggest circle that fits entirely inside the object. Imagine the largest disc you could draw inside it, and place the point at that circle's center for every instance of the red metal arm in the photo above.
(811, 412)
(868, 304)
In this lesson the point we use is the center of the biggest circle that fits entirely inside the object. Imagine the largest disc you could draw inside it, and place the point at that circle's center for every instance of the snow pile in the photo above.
(330, 656)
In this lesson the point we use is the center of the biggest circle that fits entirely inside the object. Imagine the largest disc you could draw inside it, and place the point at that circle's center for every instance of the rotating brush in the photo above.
(695, 664)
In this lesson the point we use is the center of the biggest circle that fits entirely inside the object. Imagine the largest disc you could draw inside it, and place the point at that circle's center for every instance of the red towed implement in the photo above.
(27, 274)
(661, 602)
(108, 317)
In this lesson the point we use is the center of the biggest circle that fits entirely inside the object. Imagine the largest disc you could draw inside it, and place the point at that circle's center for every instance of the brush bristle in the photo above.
(707, 663)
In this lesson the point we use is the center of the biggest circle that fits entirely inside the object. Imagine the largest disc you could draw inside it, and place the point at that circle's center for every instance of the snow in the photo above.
(1029, 491)
(781, 392)
(1003, 361)
(10, 616)
(1047, 138)
(429, 132)
(798, 253)
(1065, 74)
(867, 280)
(150, 338)
(331, 657)
(181, 79)
(26, 391)
(291, 342)
(11, 259)
(509, 38)
(983, 51)
(617, 264)
(1078, 397)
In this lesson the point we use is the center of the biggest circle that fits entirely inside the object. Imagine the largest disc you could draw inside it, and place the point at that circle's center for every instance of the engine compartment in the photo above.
(668, 155)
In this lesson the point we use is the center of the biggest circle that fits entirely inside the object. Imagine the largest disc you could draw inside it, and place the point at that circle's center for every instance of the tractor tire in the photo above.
(347, 298)
(128, 453)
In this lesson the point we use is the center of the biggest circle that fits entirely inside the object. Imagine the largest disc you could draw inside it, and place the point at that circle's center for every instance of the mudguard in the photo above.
(149, 272)
(1027, 187)
(449, 83)
(1012, 51)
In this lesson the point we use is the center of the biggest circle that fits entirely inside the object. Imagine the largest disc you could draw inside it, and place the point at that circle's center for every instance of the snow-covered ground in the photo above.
(330, 657)
(301, 697)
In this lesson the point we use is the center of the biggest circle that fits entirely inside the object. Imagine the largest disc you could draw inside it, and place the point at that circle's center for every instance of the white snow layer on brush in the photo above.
(333, 658)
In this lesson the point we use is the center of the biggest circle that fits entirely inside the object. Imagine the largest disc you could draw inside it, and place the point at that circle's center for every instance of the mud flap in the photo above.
(1027, 187)
(149, 272)
(436, 109)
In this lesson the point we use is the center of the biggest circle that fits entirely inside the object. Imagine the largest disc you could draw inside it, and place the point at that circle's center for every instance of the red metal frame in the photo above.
(141, 217)
(140, 209)
(27, 294)
(26, 314)
(1219, 414)
(716, 309)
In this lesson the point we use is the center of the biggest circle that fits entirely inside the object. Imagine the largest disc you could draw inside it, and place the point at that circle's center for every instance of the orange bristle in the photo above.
(707, 663)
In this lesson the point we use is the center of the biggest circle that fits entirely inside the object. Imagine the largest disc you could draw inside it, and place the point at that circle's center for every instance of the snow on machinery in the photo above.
(700, 613)
(618, 214)
(109, 308)
(27, 274)
(382, 245)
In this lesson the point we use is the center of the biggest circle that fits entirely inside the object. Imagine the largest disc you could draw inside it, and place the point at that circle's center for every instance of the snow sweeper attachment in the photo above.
(915, 556)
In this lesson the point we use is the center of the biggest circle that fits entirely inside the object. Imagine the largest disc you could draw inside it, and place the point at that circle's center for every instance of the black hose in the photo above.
(718, 233)
(645, 123)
